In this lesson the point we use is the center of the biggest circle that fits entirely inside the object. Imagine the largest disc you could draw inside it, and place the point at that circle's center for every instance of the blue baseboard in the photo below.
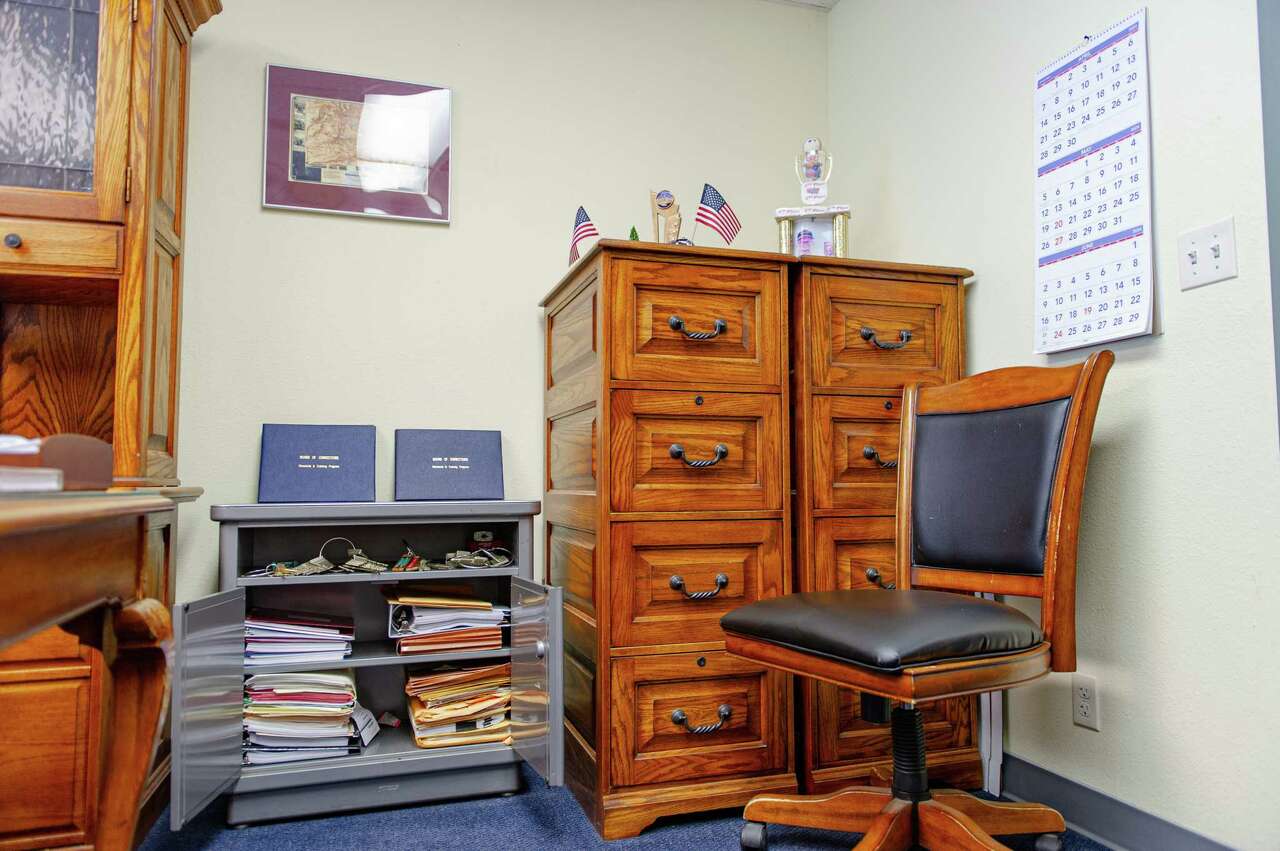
(1098, 815)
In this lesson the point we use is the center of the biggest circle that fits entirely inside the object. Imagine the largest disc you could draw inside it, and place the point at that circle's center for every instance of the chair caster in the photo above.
(1048, 842)
(755, 836)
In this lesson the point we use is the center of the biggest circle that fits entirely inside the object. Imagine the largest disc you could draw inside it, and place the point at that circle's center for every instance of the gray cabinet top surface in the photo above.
(403, 511)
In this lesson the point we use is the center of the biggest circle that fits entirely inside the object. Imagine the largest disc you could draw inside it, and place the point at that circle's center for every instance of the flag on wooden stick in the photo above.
(715, 213)
(583, 228)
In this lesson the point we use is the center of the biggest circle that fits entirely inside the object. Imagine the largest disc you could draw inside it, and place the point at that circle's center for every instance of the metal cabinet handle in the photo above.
(677, 324)
(677, 584)
(873, 576)
(722, 452)
(681, 718)
(869, 334)
(869, 452)
(12, 240)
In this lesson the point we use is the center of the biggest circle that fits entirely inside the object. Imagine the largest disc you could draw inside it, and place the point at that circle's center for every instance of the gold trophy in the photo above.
(666, 216)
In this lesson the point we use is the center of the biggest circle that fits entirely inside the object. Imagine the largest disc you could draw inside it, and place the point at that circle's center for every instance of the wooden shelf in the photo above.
(385, 578)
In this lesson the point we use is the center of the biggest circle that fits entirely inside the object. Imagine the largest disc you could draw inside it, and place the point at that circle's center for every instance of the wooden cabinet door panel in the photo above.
(648, 608)
(700, 323)
(855, 465)
(46, 742)
(66, 101)
(690, 716)
(866, 334)
(659, 436)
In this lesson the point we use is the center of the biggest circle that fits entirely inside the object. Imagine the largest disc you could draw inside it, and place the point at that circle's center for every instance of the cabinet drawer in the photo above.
(52, 247)
(845, 548)
(674, 580)
(696, 715)
(697, 323)
(684, 451)
(855, 464)
(875, 333)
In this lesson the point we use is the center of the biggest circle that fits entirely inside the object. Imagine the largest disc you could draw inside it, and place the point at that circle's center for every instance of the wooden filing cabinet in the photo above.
(666, 506)
(860, 331)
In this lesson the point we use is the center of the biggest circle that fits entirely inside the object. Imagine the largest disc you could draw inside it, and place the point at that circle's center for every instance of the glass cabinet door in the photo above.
(64, 101)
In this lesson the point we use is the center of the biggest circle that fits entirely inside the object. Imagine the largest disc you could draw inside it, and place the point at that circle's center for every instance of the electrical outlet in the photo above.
(1084, 702)
(1207, 255)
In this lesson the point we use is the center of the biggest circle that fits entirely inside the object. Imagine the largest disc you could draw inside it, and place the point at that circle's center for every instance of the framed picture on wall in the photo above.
(340, 143)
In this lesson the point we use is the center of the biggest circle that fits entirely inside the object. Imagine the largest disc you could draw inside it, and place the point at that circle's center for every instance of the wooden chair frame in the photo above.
(950, 819)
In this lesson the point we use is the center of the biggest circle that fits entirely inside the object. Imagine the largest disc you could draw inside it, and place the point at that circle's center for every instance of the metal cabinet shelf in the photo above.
(209, 666)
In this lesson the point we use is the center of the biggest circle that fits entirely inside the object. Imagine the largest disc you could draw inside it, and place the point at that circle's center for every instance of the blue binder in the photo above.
(442, 464)
(317, 463)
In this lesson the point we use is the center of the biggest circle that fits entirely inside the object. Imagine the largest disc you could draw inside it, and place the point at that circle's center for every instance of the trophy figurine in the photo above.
(813, 169)
(666, 216)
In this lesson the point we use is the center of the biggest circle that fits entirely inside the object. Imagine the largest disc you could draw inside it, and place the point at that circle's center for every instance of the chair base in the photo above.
(909, 815)
(950, 819)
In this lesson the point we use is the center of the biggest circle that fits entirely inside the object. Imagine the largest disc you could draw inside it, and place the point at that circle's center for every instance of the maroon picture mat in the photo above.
(284, 82)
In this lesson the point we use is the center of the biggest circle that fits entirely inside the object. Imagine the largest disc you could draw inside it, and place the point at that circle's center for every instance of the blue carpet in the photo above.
(540, 817)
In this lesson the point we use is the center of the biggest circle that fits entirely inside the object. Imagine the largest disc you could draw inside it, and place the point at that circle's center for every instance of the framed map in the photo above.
(338, 143)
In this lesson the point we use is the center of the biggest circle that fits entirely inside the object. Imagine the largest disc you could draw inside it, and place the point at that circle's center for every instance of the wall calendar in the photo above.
(1093, 192)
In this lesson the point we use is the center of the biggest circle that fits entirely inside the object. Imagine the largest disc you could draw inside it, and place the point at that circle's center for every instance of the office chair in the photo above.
(990, 475)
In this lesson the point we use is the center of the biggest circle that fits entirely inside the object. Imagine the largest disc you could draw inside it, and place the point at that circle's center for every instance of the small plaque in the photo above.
(445, 464)
(317, 463)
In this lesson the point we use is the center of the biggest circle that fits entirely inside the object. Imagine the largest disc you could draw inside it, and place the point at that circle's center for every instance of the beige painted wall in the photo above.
(1179, 588)
(302, 317)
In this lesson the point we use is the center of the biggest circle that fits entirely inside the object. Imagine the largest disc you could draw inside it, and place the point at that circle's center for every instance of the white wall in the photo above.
(1178, 582)
(303, 317)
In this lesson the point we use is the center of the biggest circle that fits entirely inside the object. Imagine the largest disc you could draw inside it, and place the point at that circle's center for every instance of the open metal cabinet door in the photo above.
(537, 677)
(208, 702)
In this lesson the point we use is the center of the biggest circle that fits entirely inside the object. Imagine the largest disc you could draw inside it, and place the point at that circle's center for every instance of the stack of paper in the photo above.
(460, 706)
(426, 624)
(290, 717)
(275, 637)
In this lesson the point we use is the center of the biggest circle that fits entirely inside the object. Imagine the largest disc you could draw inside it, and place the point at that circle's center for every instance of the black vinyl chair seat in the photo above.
(887, 630)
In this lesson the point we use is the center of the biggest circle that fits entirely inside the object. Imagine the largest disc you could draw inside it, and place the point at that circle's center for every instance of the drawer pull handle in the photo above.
(722, 452)
(681, 718)
(677, 584)
(869, 334)
(873, 576)
(870, 453)
(677, 324)
(12, 240)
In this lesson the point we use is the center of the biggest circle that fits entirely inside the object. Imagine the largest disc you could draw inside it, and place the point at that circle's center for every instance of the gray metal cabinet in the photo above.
(208, 667)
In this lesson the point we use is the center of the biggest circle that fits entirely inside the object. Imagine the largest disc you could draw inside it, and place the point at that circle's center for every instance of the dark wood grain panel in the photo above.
(856, 436)
(646, 424)
(571, 452)
(57, 369)
(571, 337)
(647, 610)
(647, 746)
(571, 564)
(580, 695)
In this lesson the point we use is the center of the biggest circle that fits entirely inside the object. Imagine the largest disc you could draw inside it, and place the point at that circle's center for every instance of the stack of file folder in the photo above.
(291, 717)
(460, 706)
(432, 624)
(273, 637)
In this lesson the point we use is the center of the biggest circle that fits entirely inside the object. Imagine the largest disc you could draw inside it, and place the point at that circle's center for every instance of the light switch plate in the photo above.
(1207, 255)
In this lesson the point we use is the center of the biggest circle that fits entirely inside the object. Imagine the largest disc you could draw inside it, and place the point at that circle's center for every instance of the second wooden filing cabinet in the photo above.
(667, 489)
(699, 402)
(860, 332)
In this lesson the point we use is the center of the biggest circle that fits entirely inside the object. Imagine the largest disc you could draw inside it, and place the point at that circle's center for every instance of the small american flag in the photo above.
(583, 228)
(715, 213)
